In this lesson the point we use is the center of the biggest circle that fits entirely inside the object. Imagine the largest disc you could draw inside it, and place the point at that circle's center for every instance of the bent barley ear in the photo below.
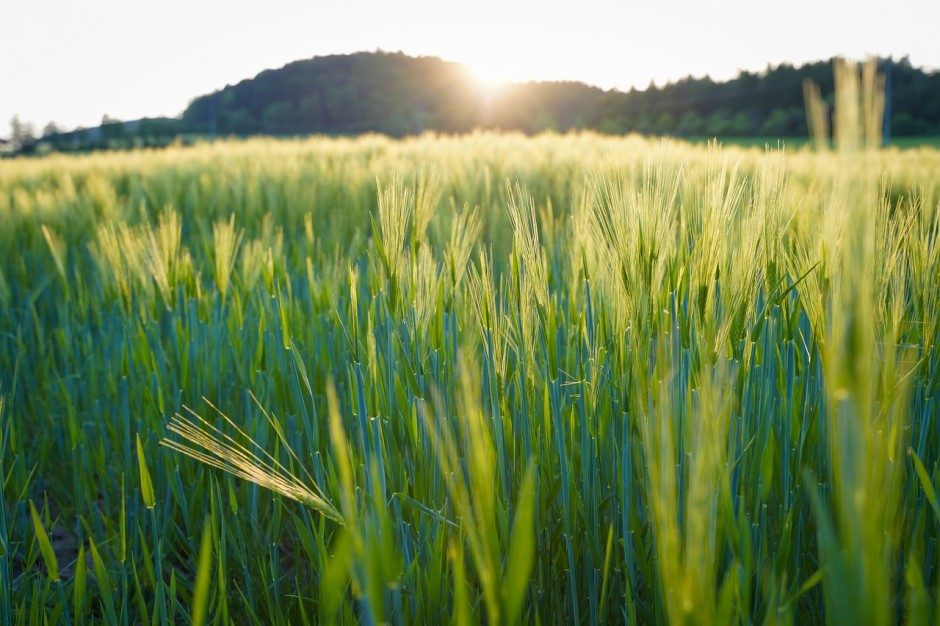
(210, 445)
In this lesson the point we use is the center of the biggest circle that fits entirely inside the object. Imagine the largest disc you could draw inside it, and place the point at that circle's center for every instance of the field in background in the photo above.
(561, 379)
(796, 143)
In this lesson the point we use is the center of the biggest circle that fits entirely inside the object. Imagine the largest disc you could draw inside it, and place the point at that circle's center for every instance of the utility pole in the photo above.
(886, 128)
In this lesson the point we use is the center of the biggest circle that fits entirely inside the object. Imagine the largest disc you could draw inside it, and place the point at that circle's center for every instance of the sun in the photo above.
(490, 74)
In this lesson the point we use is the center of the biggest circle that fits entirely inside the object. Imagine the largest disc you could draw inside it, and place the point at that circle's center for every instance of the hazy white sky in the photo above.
(73, 61)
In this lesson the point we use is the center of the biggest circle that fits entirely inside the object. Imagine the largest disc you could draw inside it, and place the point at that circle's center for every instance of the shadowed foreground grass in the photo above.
(565, 379)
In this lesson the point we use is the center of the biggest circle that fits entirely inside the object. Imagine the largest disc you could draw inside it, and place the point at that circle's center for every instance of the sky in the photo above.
(73, 62)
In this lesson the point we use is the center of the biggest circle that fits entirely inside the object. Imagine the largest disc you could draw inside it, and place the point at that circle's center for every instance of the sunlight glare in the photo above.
(491, 74)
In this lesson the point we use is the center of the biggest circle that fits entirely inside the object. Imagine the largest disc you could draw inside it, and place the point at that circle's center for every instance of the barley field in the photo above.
(482, 379)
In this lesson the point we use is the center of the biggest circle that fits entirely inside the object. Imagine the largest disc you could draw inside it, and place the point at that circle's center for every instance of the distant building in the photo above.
(7, 146)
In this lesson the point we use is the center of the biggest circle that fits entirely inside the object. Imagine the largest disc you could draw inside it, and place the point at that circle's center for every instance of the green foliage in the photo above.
(500, 379)
(45, 546)
(146, 486)
(203, 576)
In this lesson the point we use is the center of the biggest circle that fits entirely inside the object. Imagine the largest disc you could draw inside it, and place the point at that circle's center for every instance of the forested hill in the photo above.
(398, 95)
(388, 93)
(395, 94)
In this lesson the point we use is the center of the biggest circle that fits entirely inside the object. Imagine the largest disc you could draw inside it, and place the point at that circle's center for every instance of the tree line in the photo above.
(399, 95)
